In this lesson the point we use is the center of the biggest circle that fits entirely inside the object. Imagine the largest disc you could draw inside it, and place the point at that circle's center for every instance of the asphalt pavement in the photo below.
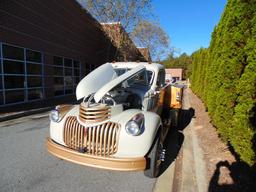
(25, 165)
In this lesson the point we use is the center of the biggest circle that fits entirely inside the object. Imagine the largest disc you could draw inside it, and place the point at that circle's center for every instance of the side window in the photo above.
(161, 78)
(140, 78)
(150, 77)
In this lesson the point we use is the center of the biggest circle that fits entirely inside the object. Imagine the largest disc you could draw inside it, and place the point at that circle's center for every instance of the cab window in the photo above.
(161, 78)
(140, 78)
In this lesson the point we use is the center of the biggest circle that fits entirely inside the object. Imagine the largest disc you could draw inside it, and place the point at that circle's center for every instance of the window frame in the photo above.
(73, 76)
(160, 82)
(25, 87)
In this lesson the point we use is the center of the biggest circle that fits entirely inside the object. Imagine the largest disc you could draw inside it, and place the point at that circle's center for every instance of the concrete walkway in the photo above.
(19, 114)
(188, 172)
(165, 181)
(193, 164)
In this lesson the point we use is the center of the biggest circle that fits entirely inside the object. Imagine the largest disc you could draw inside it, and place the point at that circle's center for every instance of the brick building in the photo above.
(126, 49)
(145, 52)
(175, 73)
(46, 47)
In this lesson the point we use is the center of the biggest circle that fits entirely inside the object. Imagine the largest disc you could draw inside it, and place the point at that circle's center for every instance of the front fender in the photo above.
(56, 129)
(137, 146)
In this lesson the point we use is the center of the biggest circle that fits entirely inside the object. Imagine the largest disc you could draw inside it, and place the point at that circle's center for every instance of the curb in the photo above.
(193, 164)
(24, 113)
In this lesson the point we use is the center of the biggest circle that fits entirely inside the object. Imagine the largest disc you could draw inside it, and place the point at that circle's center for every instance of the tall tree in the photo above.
(152, 36)
(184, 61)
(227, 72)
(137, 18)
(128, 12)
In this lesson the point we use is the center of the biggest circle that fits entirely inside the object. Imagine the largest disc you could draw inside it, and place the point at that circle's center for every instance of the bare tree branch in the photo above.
(128, 12)
(153, 37)
(136, 18)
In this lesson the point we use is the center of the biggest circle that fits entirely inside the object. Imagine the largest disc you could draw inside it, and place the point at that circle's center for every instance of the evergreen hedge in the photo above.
(224, 76)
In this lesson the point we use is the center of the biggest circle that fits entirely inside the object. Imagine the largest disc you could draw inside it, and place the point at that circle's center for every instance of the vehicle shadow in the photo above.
(172, 145)
(243, 177)
(175, 138)
(185, 117)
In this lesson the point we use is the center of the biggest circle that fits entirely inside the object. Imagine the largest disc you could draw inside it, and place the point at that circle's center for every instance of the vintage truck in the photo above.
(118, 124)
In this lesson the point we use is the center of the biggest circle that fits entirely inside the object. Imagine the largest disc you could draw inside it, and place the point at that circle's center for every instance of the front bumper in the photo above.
(111, 163)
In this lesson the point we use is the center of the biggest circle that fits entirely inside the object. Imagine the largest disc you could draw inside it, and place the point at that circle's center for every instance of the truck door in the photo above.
(157, 94)
(161, 91)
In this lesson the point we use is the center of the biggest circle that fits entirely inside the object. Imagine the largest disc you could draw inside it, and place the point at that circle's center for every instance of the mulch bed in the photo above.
(225, 172)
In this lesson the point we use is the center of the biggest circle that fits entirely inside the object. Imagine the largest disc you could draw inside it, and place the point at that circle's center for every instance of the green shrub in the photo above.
(224, 76)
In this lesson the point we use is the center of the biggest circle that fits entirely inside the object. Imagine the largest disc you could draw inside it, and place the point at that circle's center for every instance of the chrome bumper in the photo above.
(110, 163)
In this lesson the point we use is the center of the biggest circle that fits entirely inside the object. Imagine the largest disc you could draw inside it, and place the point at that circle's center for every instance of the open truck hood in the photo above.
(102, 80)
(95, 80)
(107, 87)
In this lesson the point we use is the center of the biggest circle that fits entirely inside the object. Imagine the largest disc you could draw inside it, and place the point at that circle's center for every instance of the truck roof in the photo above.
(150, 66)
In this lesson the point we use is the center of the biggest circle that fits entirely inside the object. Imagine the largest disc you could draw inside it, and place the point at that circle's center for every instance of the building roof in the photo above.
(152, 66)
(145, 52)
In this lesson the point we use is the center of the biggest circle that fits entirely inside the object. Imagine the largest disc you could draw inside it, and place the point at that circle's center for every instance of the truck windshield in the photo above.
(143, 78)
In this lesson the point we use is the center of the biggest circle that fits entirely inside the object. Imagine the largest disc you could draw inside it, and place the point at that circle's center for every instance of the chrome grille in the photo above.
(98, 140)
(93, 114)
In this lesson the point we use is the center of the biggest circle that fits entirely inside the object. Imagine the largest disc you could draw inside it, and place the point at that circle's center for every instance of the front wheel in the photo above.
(154, 158)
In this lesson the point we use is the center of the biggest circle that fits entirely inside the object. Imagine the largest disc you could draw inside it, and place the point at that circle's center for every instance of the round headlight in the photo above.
(132, 128)
(135, 126)
(54, 115)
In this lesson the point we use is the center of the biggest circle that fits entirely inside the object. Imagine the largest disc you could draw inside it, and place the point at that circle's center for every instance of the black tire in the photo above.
(174, 115)
(153, 166)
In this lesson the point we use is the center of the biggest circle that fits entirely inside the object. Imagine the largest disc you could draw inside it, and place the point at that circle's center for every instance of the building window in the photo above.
(77, 74)
(13, 67)
(11, 52)
(1, 78)
(66, 75)
(34, 74)
(21, 74)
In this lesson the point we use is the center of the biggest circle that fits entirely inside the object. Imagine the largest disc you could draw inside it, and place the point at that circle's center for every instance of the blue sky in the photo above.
(189, 23)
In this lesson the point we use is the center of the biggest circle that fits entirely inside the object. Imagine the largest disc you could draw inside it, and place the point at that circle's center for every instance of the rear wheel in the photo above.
(174, 114)
(154, 159)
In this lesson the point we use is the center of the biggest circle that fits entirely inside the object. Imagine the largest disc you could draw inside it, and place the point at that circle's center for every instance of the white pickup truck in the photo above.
(118, 123)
